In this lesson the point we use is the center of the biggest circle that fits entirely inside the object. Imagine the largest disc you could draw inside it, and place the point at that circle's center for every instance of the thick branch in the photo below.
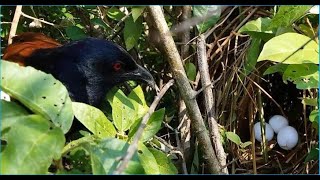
(185, 89)
(209, 103)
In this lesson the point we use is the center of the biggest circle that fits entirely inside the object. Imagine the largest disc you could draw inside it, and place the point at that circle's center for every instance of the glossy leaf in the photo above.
(132, 31)
(137, 98)
(136, 12)
(305, 76)
(211, 15)
(286, 49)
(152, 127)
(233, 137)
(287, 15)
(276, 68)
(94, 120)
(32, 144)
(123, 111)
(106, 156)
(75, 33)
(164, 162)
(191, 71)
(38, 91)
(148, 161)
(258, 29)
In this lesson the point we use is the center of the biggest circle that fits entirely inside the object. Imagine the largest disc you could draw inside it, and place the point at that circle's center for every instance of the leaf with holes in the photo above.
(287, 15)
(132, 31)
(209, 16)
(290, 48)
(152, 127)
(136, 96)
(32, 144)
(164, 162)
(123, 111)
(233, 137)
(106, 155)
(305, 76)
(148, 161)
(258, 29)
(93, 119)
(38, 91)
(75, 33)
(281, 68)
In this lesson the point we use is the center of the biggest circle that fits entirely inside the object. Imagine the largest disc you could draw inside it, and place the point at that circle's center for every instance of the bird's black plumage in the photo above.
(89, 68)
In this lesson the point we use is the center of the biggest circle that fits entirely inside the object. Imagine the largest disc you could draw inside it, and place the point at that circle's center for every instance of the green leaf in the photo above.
(148, 161)
(164, 162)
(152, 127)
(136, 12)
(32, 144)
(12, 109)
(115, 14)
(211, 15)
(313, 155)
(132, 31)
(245, 144)
(305, 76)
(136, 96)
(38, 91)
(233, 137)
(310, 101)
(258, 29)
(287, 15)
(106, 156)
(279, 67)
(286, 49)
(252, 56)
(68, 15)
(98, 21)
(123, 111)
(191, 71)
(93, 119)
(75, 33)
(313, 117)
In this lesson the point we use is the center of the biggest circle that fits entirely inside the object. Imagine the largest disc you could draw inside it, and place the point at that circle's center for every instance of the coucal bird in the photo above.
(88, 67)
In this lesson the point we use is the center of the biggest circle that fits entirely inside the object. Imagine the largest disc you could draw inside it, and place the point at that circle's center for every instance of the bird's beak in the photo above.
(141, 74)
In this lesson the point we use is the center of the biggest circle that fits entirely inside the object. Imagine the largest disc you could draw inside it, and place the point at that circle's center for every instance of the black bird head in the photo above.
(89, 68)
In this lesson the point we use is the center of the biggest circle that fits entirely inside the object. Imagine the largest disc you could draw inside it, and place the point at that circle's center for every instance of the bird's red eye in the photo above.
(117, 66)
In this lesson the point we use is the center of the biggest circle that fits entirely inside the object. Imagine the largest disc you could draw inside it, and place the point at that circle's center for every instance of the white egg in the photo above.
(287, 137)
(268, 131)
(278, 122)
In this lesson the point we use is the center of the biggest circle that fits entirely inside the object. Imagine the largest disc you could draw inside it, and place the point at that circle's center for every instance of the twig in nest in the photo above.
(134, 145)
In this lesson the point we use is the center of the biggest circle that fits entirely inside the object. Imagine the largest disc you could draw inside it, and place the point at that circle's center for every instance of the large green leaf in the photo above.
(93, 119)
(233, 137)
(75, 33)
(38, 91)
(32, 144)
(287, 15)
(123, 112)
(136, 12)
(152, 127)
(132, 31)
(164, 162)
(136, 96)
(305, 76)
(258, 29)
(148, 161)
(211, 14)
(279, 67)
(106, 156)
(290, 48)
(252, 56)
(12, 109)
